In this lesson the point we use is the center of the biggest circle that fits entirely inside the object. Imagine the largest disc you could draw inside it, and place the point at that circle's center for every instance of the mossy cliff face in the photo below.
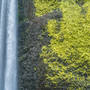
(54, 44)
(33, 36)
(29, 47)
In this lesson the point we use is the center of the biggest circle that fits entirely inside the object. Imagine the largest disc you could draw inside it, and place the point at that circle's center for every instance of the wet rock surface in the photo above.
(29, 58)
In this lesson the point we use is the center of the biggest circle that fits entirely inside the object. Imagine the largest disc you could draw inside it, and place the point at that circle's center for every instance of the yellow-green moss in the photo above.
(68, 54)
(45, 6)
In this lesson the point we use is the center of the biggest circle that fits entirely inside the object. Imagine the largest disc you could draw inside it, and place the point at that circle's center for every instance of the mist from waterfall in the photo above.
(8, 44)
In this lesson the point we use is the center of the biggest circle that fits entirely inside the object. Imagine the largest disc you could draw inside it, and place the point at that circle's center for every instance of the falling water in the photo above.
(2, 41)
(8, 44)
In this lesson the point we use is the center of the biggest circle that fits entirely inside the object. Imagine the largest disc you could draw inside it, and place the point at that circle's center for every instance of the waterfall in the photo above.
(8, 44)
(2, 41)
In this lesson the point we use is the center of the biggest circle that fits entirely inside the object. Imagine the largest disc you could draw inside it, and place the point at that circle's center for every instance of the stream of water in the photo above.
(8, 44)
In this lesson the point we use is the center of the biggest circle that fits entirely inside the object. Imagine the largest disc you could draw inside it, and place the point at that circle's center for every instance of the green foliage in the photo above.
(68, 55)
(45, 6)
